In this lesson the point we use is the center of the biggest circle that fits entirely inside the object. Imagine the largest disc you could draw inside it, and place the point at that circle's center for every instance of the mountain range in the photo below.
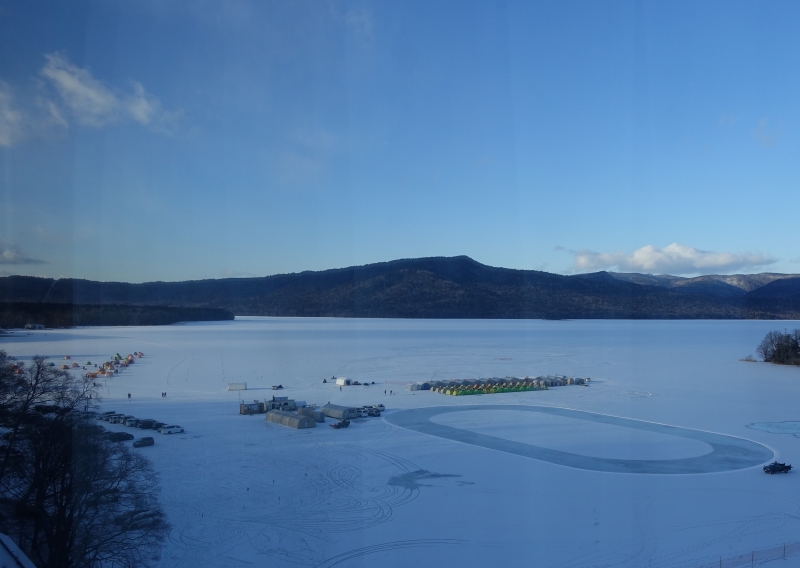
(443, 287)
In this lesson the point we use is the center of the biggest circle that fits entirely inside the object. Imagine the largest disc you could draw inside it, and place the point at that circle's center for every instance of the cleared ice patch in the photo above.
(728, 453)
(575, 436)
(777, 427)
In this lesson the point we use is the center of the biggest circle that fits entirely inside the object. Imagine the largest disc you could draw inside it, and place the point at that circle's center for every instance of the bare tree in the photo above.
(23, 388)
(69, 496)
(782, 348)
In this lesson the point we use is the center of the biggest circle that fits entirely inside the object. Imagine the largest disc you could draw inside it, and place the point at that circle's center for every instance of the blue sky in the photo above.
(148, 141)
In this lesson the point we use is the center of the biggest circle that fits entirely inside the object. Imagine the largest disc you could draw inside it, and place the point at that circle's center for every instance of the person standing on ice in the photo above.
(129, 396)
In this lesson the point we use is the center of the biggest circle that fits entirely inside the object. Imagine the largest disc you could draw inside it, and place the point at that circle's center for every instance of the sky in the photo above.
(168, 140)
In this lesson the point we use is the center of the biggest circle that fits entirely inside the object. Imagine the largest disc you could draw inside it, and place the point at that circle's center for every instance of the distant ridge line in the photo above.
(442, 287)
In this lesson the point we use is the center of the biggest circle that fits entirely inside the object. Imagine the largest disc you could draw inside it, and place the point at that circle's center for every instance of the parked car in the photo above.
(126, 418)
(106, 415)
(146, 424)
(776, 467)
(132, 422)
(146, 441)
(119, 436)
(158, 425)
(374, 412)
(362, 412)
(381, 407)
(171, 430)
(116, 419)
(91, 427)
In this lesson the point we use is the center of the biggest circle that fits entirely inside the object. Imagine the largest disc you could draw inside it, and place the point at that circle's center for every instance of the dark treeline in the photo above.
(69, 497)
(781, 348)
(456, 287)
(19, 314)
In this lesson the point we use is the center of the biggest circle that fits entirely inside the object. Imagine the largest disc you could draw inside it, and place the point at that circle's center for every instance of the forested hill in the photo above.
(453, 287)
(48, 314)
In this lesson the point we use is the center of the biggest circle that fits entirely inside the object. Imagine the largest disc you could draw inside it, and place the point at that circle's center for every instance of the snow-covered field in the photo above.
(242, 492)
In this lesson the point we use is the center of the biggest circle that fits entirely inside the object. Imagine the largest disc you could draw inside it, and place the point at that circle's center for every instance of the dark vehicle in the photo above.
(142, 442)
(158, 425)
(132, 422)
(91, 428)
(776, 467)
(340, 424)
(146, 424)
(119, 436)
(106, 415)
(373, 412)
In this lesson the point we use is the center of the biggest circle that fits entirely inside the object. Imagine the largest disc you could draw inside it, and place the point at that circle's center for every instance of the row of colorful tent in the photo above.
(508, 384)
(109, 368)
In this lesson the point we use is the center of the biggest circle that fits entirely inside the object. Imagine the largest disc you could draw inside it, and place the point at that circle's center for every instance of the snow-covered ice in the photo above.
(240, 491)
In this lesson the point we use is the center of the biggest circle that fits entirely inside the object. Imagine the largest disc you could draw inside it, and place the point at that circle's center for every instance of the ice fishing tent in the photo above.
(341, 381)
(338, 412)
(290, 419)
(312, 413)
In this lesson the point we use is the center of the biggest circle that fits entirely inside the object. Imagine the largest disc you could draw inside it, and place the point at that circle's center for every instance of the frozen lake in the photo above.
(242, 492)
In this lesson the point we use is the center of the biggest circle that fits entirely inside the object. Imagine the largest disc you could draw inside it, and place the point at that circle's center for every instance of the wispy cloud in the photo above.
(12, 254)
(306, 157)
(67, 94)
(360, 21)
(766, 134)
(672, 259)
(89, 100)
(10, 117)
(726, 120)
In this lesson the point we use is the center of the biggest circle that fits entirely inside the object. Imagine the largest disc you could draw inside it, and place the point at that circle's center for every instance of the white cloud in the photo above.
(146, 109)
(10, 117)
(67, 94)
(89, 100)
(672, 259)
(12, 254)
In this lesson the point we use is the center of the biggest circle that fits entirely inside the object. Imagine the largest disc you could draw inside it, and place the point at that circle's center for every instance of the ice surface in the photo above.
(778, 427)
(576, 436)
(242, 492)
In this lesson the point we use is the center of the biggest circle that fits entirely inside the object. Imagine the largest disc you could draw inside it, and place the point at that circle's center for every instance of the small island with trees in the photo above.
(781, 348)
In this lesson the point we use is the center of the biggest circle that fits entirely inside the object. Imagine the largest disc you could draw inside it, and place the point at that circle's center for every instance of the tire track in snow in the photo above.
(377, 548)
